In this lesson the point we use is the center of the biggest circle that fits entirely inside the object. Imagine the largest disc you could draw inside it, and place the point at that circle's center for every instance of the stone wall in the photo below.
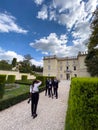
(18, 75)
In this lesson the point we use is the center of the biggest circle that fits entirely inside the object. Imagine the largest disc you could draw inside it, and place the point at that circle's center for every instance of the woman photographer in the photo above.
(34, 94)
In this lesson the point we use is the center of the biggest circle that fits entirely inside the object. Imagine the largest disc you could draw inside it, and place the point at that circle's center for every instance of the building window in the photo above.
(75, 75)
(48, 74)
(67, 68)
(60, 62)
(61, 76)
(48, 67)
(48, 61)
(74, 67)
(74, 61)
(60, 68)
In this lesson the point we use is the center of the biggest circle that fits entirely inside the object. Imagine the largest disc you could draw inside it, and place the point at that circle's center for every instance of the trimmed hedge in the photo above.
(24, 77)
(13, 100)
(2, 84)
(82, 111)
(26, 82)
(16, 99)
(5, 103)
(43, 79)
(11, 79)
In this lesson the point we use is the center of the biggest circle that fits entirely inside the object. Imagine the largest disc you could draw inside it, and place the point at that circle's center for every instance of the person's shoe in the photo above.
(35, 115)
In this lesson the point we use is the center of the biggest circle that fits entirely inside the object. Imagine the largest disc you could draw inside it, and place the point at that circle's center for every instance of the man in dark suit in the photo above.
(47, 86)
(50, 88)
(55, 87)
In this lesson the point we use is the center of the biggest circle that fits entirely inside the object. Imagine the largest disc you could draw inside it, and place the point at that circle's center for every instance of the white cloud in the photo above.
(38, 2)
(55, 45)
(43, 14)
(75, 16)
(37, 63)
(81, 33)
(68, 12)
(9, 55)
(7, 24)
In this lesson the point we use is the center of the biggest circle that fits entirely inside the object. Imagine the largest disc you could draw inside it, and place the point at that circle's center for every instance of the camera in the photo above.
(29, 100)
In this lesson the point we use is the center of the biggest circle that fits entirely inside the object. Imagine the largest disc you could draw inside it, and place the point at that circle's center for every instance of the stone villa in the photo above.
(66, 67)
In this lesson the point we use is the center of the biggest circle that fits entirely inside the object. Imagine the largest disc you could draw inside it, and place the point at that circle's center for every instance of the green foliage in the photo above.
(43, 79)
(26, 82)
(15, 96)
(2, 84)
(10, 79)
(13, 100)
(35, 68)
(24, 77)
(82, 111)
(92, 56)
(25, 67)
(14, 62)
(2, 78)
(4, 65)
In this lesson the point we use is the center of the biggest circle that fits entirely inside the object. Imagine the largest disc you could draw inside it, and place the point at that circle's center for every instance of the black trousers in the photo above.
(34, 102)
(46, 90)
(56, 92)
(50, 92)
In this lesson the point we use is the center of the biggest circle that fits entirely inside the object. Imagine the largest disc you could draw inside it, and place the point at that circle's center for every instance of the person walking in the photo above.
(47, 85)
(34, 94)
(50, 88)
(55, 87)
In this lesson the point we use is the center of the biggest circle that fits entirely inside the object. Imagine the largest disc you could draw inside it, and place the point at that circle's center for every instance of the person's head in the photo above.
(35, 81)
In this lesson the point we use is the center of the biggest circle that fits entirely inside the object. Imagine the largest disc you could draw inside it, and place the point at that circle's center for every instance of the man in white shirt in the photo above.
(34, 93)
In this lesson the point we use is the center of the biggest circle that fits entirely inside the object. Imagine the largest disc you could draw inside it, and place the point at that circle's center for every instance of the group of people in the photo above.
(51, 90)
(52, 87)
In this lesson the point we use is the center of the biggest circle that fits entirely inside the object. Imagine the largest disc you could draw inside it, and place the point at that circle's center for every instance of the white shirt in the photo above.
(35, 88)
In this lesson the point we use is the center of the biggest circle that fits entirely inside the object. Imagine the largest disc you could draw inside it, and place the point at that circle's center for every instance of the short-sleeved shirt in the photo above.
(35, 88)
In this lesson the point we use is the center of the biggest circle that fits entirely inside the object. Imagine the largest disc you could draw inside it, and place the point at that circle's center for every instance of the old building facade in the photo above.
(66, 67)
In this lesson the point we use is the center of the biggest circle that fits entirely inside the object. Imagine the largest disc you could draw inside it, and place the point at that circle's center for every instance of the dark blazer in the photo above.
(55, 83)
(47, 83)
(50, 83)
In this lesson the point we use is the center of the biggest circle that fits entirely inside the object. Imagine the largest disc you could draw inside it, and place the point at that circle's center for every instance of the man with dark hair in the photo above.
(50, 88)
(55, 87)
(47, 86)
(34, 94)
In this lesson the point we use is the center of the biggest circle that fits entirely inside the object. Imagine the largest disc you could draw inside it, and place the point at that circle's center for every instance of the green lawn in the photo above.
(15, 91)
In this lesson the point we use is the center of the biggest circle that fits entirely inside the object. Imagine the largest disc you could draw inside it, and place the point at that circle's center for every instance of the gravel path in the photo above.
(51, 113)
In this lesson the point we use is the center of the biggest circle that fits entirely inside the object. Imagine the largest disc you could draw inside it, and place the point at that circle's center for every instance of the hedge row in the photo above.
(16, 99)
(10, 79)
(5, 103)
(2, 84)
(13, 100)
(82, 111)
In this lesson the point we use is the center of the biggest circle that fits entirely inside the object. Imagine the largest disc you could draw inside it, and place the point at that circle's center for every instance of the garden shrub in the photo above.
(5, 103)
(11, 79)
(82, 111)
(24, 77)
(43, 79)
(2, 84)
(13, 100)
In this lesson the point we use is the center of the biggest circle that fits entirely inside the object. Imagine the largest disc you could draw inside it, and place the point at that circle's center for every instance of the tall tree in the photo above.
(27, 59)
(4, 65)
(92, 56)
(26, 64)
(14, 62)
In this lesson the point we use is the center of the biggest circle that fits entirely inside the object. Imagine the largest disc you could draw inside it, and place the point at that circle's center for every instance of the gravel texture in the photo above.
(51, 113)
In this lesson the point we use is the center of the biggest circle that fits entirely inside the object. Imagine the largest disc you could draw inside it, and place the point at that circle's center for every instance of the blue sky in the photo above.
(44, 27)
